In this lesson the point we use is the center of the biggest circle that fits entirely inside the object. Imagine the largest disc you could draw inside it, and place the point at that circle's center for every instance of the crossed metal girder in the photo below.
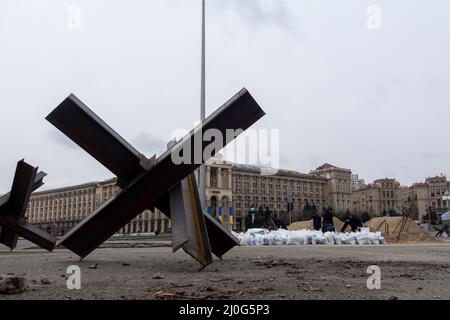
(153, 183)
(13, 206)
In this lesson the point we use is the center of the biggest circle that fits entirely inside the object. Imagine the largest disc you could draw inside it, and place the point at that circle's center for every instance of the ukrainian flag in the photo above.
(231, 216)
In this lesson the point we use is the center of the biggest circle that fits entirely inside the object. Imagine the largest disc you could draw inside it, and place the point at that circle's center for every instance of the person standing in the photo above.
(328, 223)
(353, 221)
(317, 221)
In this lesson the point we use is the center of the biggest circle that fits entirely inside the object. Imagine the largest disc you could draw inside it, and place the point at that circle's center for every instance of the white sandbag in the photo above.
(348, 238)
(315, 239)
(363, 239)
(295, 240)
(322, 239)
(257, 240)
(330, 238)
(262, 237)
(257, 231)
(246, 240)
(268, 240)
(337, 239)
(279, 240)
(375, 238)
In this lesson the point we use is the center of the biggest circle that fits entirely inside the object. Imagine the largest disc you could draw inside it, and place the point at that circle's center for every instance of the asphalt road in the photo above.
(307, 272)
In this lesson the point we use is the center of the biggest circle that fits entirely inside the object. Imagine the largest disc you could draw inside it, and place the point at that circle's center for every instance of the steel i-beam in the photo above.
(13, 206)
(188, 222)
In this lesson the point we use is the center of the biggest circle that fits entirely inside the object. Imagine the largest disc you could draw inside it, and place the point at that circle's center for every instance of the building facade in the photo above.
(429, 194)
(231, 190)
(339, 186)
(251, 189)
(382, 197)
(59, 210)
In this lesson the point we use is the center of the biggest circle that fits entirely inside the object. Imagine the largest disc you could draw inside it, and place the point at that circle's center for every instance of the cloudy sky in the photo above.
(372, 100)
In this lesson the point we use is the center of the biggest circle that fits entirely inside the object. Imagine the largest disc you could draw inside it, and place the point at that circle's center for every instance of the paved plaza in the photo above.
(147, 269)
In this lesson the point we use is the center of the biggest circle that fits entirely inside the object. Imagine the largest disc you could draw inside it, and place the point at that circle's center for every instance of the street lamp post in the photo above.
(290, 202)
(202, 173)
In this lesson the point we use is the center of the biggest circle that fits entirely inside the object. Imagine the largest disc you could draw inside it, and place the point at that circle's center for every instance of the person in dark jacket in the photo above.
(328, 223)
(317, 222)
(353, 221)
(441, 231)
(250, 219)
(270, 224)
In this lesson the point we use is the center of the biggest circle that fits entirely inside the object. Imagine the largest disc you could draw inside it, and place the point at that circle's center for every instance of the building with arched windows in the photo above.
(231, 190)
(59, 210)
(381, 197)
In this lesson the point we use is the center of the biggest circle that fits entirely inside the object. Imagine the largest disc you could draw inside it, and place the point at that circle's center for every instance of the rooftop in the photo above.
(279, 172)
(76, 187)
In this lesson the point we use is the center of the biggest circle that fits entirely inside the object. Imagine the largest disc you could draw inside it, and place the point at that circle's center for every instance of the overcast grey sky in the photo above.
(374, 101)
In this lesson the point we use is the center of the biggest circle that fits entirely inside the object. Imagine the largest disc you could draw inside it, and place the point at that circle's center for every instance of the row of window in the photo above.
(71, 197)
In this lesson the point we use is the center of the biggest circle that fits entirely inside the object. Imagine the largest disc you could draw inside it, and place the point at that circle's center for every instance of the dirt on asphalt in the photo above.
(315, 272)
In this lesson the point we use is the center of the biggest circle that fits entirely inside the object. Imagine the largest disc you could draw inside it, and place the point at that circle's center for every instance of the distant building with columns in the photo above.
(231, 190)
(382, 197)
(339, 186)
(59, 210)
(429, 195)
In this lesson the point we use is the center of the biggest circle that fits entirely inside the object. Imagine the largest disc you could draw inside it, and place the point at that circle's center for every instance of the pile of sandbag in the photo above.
(263, 237)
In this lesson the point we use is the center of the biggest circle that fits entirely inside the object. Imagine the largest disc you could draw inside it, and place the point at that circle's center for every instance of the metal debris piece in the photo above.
(12, 285)
(13, 206)
(188, 222)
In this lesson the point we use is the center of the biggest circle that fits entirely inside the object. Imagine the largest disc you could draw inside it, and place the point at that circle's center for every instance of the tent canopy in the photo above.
(446, 216)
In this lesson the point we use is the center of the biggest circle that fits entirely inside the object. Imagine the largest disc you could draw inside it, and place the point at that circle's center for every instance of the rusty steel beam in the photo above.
(149, 189)
(27, 231)
(85, 128)
(16, 201)
(13, 206)
(220, 239)
(188, 222)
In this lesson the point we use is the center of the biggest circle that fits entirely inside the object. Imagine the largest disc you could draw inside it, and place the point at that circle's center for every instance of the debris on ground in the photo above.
(158, 276)
(163, 295)
(12, 285)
